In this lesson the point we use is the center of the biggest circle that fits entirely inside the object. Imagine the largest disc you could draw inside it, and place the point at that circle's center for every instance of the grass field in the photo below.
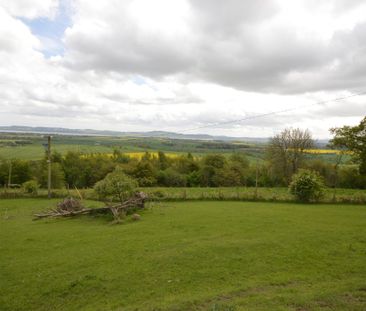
(185, 256)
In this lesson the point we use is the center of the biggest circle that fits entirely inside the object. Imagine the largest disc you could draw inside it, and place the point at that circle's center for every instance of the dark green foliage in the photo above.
(163, 160)
(171, 178)
(145, 172)
(214, 160)
(20, 171)
(350, 177)
(354, 139)
(86, 171)
(307, 186)
(57, 176)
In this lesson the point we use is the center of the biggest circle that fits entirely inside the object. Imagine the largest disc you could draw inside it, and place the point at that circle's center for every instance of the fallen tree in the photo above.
(71, 207)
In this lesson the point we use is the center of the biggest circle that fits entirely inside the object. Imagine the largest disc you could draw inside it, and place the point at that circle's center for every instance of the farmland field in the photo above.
(185, 256)
(29, 146)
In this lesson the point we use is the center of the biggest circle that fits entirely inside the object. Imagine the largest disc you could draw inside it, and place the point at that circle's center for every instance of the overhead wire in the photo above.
(272, 113)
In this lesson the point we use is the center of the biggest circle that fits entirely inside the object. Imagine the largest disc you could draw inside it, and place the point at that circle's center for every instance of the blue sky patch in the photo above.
(51, 31)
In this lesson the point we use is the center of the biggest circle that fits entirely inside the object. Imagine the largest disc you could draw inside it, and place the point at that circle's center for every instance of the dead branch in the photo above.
(71, 207)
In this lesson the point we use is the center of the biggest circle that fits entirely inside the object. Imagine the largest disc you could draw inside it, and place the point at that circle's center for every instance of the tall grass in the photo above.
(214, 194)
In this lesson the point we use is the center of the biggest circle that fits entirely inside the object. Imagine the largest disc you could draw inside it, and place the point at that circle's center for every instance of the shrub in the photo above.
(307, 186)
(116, 185)
(31, 187)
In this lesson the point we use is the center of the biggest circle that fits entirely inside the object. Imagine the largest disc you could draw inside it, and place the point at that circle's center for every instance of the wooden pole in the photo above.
(256, 177)
(49, 166)
(9, 176)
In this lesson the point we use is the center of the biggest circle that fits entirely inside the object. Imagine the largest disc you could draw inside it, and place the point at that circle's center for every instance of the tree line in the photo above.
(284, 156)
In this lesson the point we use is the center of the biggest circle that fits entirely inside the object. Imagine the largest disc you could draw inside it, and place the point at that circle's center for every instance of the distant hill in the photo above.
(157, 134)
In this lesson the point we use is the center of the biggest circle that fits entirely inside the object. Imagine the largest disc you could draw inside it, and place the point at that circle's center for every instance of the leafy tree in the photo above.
(145, 173)
(185, 164)
(226, 177)
(171, 178)
(163, 160)
(74, 167)
(56, 157)
(20, 171)
(207, 174)
(239, 159)
(214, 160)
(193, 179)
(350, 177)
(307, 186)
(116, 185)
(354, 139)
(285, 152)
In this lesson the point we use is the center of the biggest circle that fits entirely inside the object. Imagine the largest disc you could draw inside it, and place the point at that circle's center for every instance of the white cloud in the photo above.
(30, 8)
(176, 65)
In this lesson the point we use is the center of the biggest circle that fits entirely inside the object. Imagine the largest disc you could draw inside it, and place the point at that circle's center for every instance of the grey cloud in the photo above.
(229, 43)
(226, 18)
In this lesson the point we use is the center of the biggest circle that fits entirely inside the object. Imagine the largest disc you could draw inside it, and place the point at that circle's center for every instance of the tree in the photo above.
(171, 178)
(285, 152)
(116, 185)
(57, 176)
(163, 160)
(307, 186)
(74, 168)
(19, 171)
(354, 139)
(185, 164)
(212, 164)
(239, 159)
(145, 173)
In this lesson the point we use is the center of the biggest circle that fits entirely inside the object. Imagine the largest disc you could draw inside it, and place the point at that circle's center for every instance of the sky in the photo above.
(183, 65)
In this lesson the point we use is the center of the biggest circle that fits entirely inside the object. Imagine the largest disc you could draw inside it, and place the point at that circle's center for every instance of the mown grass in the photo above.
(185, 256)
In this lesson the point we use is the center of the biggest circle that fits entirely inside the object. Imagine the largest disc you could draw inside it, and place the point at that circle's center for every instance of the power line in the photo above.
(272, 112)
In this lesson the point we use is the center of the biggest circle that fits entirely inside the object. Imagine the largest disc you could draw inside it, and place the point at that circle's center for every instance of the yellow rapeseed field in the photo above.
(139, 155)
(325, 151)
(136, 155)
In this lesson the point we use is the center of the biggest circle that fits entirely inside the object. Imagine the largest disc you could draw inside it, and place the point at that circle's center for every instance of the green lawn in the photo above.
(185, 256)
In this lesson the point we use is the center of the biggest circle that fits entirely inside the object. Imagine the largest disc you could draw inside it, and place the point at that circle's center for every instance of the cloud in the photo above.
(30, 9)
(145, 65)
(251, 46)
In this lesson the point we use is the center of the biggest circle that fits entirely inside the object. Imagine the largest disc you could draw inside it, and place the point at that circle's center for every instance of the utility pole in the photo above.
(9, 176)
(49, 166)
(256, 177)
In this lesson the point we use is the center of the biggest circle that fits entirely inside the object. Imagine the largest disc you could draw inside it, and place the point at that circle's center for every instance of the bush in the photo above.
(116, 185)
(307, 186)
(31, 187)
